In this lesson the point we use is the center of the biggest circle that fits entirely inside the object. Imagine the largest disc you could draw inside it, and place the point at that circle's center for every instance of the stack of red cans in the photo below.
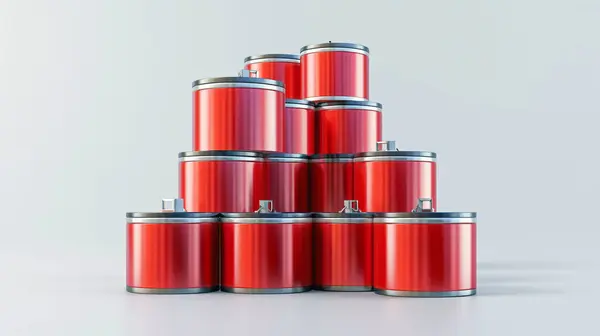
(289, 187)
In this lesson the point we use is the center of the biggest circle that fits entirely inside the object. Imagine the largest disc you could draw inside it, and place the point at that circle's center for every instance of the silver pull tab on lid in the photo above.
(172, 205)
(420, 208)
(265, 206)
(247, 73)
(350, 206)
(386, 146)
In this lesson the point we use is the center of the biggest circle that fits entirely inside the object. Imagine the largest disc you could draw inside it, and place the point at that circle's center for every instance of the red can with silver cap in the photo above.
(172, 251)
(425, 253)
(389, 180)
(280, 67)
(331, 181)
(266, 252)
(335, 71)
(347, 126)
(238, 113)
(344, 249)
(299, 123)
(222, 181)
(287, 176)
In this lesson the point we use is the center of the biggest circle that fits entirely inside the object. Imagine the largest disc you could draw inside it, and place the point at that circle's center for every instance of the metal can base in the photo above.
(291, 290)
(387, 292)
(140, 290)
(344, 288)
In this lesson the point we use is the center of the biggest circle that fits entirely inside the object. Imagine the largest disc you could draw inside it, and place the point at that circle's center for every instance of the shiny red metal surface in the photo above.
(434, 258)
(347, 127)
(343, 252)
(299, 124)
(281, 67)
(331, 181)
(392, 181)
(288, 185)
(172, 258)
(238, 113)
(263, 254)
(222, 181)
(334, 71)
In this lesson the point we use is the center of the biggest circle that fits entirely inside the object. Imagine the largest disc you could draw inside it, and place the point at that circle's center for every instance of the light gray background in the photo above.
(95, 103)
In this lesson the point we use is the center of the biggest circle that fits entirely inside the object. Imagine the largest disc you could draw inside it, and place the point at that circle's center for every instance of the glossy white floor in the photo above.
(84, 295)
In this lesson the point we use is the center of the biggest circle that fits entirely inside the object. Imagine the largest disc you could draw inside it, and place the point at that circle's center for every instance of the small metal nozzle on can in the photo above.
(265, 206)
(172, 205)
(386, 146)
(350, 206)
(420, 208)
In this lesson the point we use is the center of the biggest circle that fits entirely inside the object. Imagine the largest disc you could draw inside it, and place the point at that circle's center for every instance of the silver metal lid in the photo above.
(422, 211)
(387, 149)
(252, 154)
(299, 103)
(172, 208)
(335, 45)
(265, 210)
(245, 77)
(345, 103)
(283, 57)
(350, 210)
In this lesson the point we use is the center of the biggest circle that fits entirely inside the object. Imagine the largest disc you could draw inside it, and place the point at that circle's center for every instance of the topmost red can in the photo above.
(335, 71)
(280, 67)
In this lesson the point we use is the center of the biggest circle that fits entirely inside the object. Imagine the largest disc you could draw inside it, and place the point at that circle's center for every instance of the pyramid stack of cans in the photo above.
(289, 188)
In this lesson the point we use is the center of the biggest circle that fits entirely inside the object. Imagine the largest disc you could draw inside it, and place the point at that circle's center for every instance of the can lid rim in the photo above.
(332, 156)
(343, 215)
(300, 102)
(432, 215)
(267, 215)
(167, 215)
(235, 153)
(347, 45)
(264, 56)
(249, 80)
(425, 154)
(350, 103)
(268, 155)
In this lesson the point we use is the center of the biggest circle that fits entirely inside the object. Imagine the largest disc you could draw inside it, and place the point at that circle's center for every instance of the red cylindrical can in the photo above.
(299, 132)
(222, 181)
(343, 251)
(280, 67)
(347, 126)
(266, 253)
(238, 113)
(287, 176)
(334, 71)
(172, 252)
(331, 181)
(427, 254)
(391, 180)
